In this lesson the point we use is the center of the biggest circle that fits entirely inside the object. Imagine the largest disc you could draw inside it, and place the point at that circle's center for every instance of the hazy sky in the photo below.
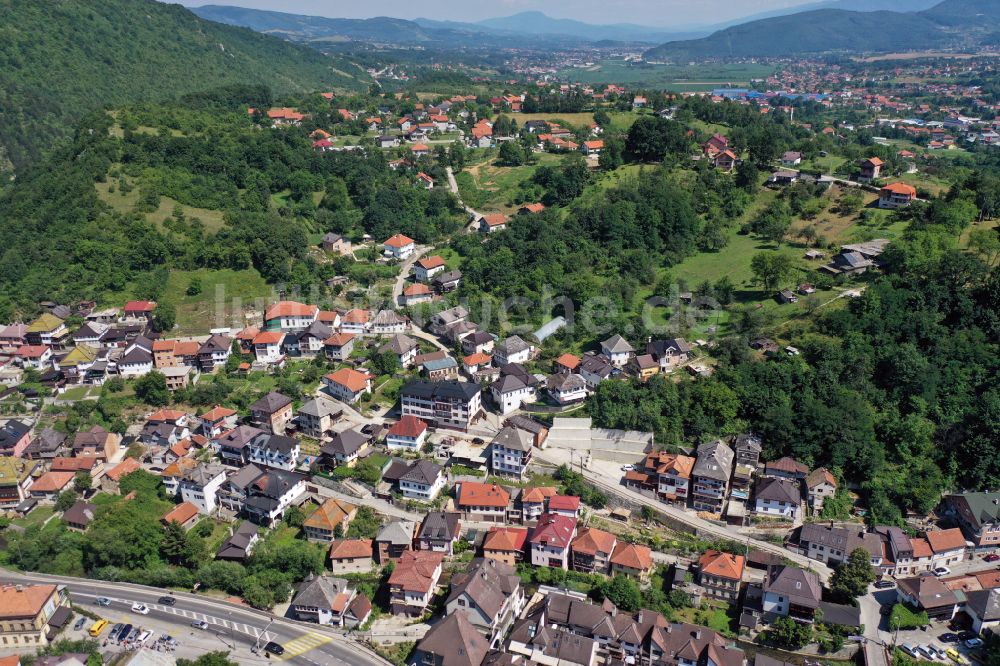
(660, 13)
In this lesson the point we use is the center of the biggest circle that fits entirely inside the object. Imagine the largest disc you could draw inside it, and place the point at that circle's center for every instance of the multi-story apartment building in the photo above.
(510, 452)
(710, 476)
(447, 404)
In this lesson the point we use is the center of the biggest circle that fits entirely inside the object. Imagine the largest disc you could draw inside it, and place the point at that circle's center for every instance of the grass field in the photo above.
(215, 305)
(125, 203)
(683, 78)
(492, 188)
(564, 119)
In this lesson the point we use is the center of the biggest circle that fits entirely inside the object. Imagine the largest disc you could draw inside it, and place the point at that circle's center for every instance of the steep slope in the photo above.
(302, 27)
(537, 23)
(952, 23)
(62, 59)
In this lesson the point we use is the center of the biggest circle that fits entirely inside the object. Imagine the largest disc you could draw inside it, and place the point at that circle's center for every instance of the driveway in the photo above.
(404, 272)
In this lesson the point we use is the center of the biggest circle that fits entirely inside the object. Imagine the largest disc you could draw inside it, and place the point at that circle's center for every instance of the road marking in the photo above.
(303, 644)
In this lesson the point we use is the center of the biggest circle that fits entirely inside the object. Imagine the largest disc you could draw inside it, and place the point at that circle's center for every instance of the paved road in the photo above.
(611, 486)
(303, 643)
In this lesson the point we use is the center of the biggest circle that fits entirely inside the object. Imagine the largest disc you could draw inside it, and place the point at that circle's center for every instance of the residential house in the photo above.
(725, 161)
(403, 347)
(672, 475)
(279, 451)
(948, 546)
(323, 600)
(239, 545)
(200, 486)
(47, 445)
(271, 494)
(617, 350)
(483, 502)
(791, 158)
(233, 445)
(489, 594)
(47, 487)
(566, 388)
(820, 484)
(595, 369)
(564, 505)
(272, 412)
(427, 268)
(389, 322)
(422, 481)
(983, 607)
(344, 448)
(721, 574)
(454, 641)
(267, 347)
(871, 169)
(747, 448)
(26, 612)
(413, 581)
(35, 357)
(47, 330)
(336, 243)
(184, 514)
(929, 594)
(592, 147)
(79, 516)
(394, 539)
(407, 434)
(338, 347)
(786, 468)
(438, 367)
(478, 342)
(351, 555)
(399, 247)
(316, 418)
(534, 502)
(417, 293)
(834, 545)
(505, 544)
(439, 531)
(172, 474)
(492, 223)
(137, 359)
(15, 480)
(15, 436)
(217, 420)
(710, 475)
(348, 385)
(778, 497)
(644, 366)
(632, 560)
(446, 404)
(290, 316)
(111, 480)
(550, 541)
(442, 321)
(514, 388)
(356, 322)
(897, 195)
(510, 452)
(591, 550)
(214, 352)
(791, 592)
(978, 514)
(321, 525)
(512, 350)
(446, 282)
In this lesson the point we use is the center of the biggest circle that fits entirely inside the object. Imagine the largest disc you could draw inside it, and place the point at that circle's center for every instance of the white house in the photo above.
(512, 350)
(778, 497)
(422, 481)
(275, 451)
(510, 452)
(407, 434)
(267, 347)
(348, 385)
(510, 392)
(617, 350)
(399, 247)
(551, 539)
(567, 388)
(289, 316)
(427, 268)
(200, 486)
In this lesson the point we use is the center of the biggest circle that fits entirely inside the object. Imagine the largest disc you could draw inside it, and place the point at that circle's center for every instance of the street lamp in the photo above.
(256, 645)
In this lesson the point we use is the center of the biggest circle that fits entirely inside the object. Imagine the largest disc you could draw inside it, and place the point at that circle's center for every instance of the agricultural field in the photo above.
(198, 312)
(680, 78)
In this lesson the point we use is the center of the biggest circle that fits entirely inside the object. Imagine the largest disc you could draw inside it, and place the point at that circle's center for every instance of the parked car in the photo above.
(122, 633)
(966, 635)
(948, 637)
(974, 643)
(102, 601)
(954, 656)
(942, 571)
(199, 624)
(938, 652)
(274, 648)
(132, 635)
(911, 650)
(992, 557)
(884, 584)
(167, 601)
(79, 624)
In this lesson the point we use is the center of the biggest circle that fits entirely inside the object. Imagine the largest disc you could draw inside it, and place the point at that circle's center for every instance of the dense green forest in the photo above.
(59, 60)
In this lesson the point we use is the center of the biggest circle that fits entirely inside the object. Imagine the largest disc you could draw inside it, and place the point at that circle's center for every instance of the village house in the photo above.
(323, 523)
(79, 516)
(271, 494)
(403, 347)
(510, 452)
(550, 541)
(355, 322)
(721, 574)
(948, 546)
(200, 486)
(399, 247)
(778, 497)
(27, 611)
(15, 436)
(267, 347)
(422, 481)
(339, 347)
(272, 412)
(407, 434)
(344, 448)
(394, 539)
(446, 282)
(413, 581)
(791, 158)
(240, 544)
(335, 243)
(427, 267)
(871, 169)
(348, 385)
(492, 223)
(820, 485)
(928, 594)
(482, 502)
(505, 544)
(834, 545)
(978, 514)
(217, 420)
(617, 350)
(512, 350)
(453, 642)
(489, 594)
(595, 369)
(897, 195)
(417, 293)
(710, 476)
(270, 450)
(47, 487)
(791, 592)
(566, 388)
(184, 514)
(351, 555)
(512, 390)
(439, 531)
(446, 404)
(591, 550)
(323, 600)
(633, 561)
(290, 316)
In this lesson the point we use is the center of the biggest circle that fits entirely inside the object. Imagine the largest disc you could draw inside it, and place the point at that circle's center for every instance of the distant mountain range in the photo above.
(949, 24)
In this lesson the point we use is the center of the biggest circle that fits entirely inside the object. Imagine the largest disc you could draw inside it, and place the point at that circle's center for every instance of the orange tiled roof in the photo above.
(352, 379)
(51, 482)
(339, 339)
(569, 361)
(290, 309)
(431, 262)
(269, 338)
(181, 513)
(24, 601)
(943, 540)
(474, 493)
(538, 495)
(505, 539)
(632, 556)
(350, 549)
(217, 413)
(723, 565)
(901, 188)
(126, 466)
(921, 547)
(399, 240)
(592, 541)
(329, 514)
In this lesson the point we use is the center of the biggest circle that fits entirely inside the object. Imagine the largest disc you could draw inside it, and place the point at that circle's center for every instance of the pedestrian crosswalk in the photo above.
(303, 644)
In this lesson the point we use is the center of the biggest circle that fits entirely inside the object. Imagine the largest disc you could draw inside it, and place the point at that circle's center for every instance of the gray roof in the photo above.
(984, 603)
(440, 364)
(81, 513)
(422, 471)
(841, 538)
(800, 586)
(345, 443)
(984, 507)
(399, 532)
(565, 382)
(488, 583)
(388, 318)
(271, 403)
(320, 407)
(514, 439)
(440, 526)
(659, 348)
(454, 641)
(441, 390)
(399, 344)
(715, 461)
(778, 490)
(245, 476)
(237, 545)
(512, 345)
(845, 616)
(617, 344)
(747, 442)
(238, 437)
(451, 315)
(319, 592)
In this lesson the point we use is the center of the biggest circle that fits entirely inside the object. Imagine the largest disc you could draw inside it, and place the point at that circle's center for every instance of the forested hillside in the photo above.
(59, 60)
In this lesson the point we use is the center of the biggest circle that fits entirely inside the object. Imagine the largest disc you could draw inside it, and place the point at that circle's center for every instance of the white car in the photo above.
(626, 468)
(141, 609)
(942, 571)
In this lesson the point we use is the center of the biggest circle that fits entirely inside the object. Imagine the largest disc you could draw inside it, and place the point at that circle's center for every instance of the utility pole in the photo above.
(256, 645)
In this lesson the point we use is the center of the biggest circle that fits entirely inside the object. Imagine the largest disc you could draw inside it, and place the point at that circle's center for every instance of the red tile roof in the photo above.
(554, 530)
(408, 426)
(217, 413)
(415, 570)
(290, 309)
(269, 338)
(181, 513)
(591, 541)
(900, 188)
(474, 493)
(353, 380)
(564, 503)
(431, 262)
(399, 240)
(140, 306)
(126, 466)
(349, 549)
(632, 556)
(944, 540)
(506, 539)
(722, 565)
(339, 339)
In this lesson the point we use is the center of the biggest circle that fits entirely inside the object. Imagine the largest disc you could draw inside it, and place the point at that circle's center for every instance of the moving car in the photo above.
(167, 601)
(199, 624)
(992, 557)
(102, 601)
(98, 627)
(274, 648)
(966, 635)
(141, 609)
(942, 571)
